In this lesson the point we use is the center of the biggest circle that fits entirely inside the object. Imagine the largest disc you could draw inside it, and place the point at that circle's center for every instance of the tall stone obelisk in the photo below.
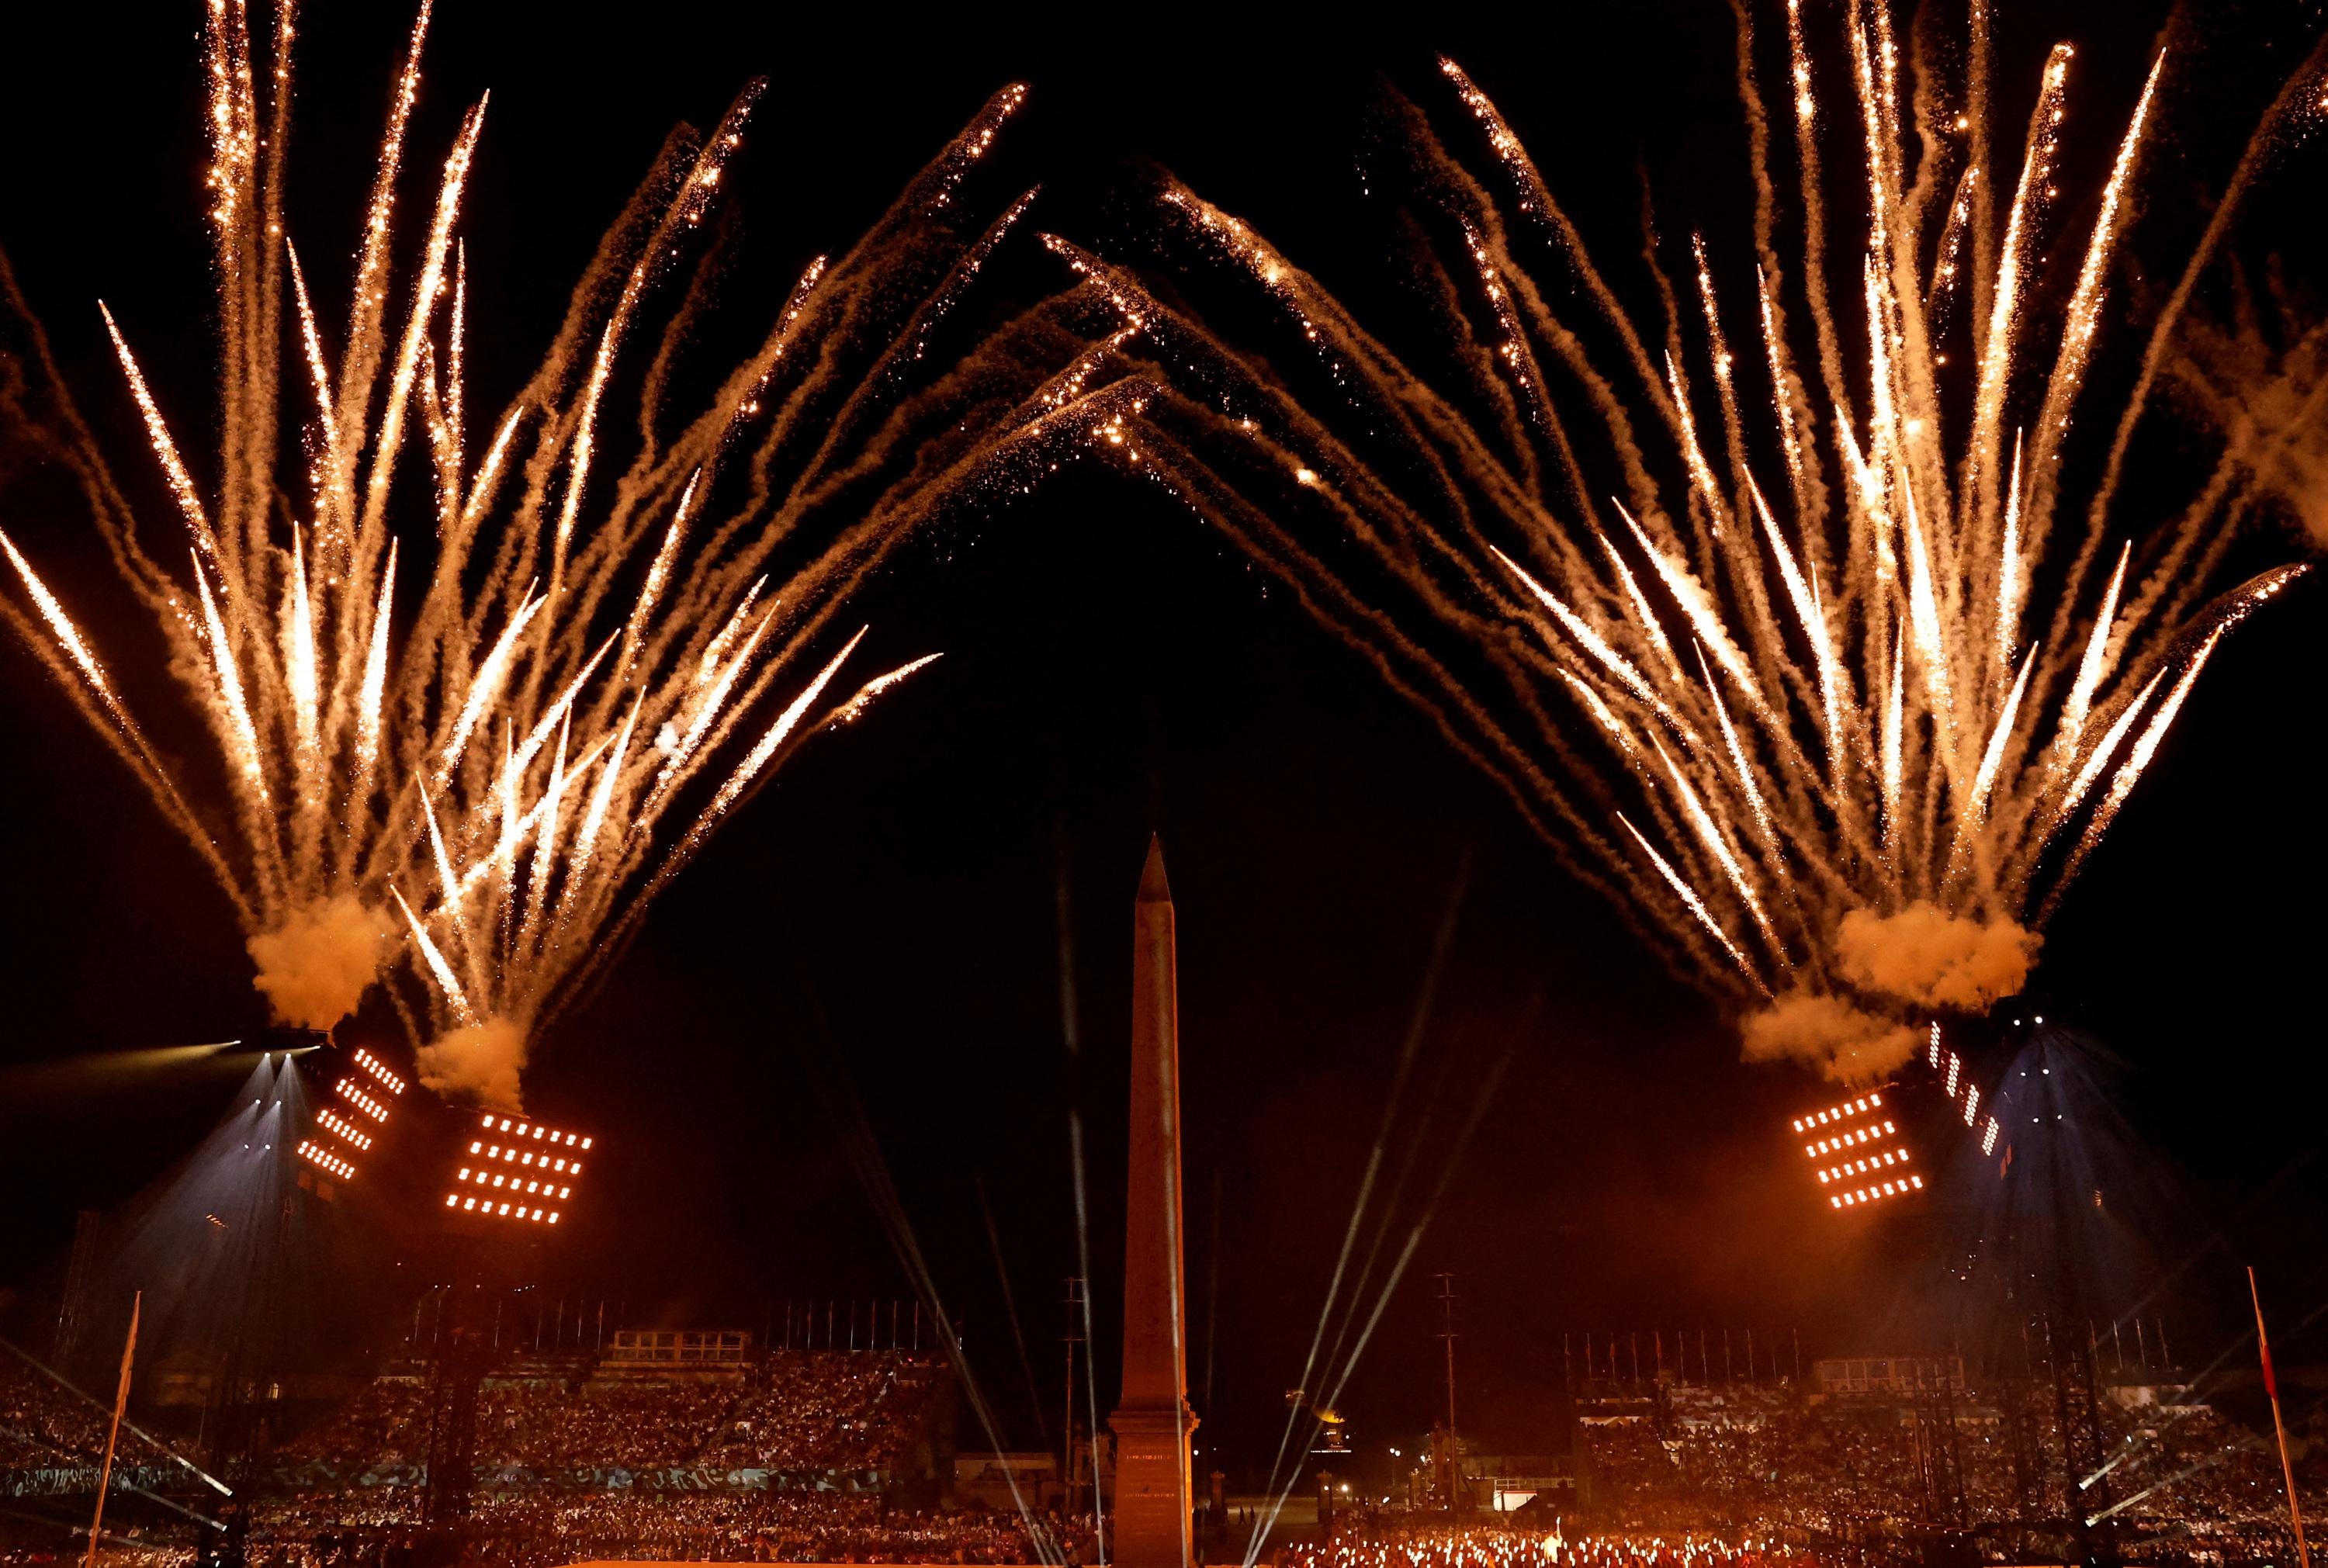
(1152, 1420)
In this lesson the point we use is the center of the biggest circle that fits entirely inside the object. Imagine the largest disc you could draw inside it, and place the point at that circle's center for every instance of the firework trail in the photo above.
(457, 674)
(2259, 377)
(1789, 637)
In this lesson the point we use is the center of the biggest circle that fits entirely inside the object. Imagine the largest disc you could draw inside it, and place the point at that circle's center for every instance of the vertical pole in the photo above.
(1074, 1304)
(2270, 1387)
(121, 1402)
(1447, 1336)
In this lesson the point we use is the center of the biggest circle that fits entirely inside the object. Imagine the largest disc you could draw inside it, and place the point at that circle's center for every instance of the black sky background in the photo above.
(883, 921)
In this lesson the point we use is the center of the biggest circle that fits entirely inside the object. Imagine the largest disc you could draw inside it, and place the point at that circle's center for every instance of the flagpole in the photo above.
(2279, 1429)
(113, 1432)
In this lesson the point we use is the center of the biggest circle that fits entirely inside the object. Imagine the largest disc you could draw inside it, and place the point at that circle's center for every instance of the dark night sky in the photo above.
(883, 920)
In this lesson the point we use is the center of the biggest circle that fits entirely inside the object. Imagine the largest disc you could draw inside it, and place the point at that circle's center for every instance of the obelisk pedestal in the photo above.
(1152, 1421)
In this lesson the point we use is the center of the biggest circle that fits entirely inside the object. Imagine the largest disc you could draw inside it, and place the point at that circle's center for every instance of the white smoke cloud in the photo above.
(315, 967)
(1829, 1034)
(1925, 956)
(482, 1062)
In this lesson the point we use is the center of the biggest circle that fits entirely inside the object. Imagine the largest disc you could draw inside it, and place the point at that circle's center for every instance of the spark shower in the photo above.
(1778, 618)
(456, 672)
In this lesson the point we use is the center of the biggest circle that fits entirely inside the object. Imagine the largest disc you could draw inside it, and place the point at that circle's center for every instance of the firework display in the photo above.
(458, 672)
(1815, 564)
(1790, 635)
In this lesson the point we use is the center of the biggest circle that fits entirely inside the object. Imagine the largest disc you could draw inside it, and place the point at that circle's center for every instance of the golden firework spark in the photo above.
(476, 701)
(1838, 627)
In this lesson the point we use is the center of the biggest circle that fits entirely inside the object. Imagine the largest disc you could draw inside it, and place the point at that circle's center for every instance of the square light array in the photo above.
(518, 1171)
(1856, 1152)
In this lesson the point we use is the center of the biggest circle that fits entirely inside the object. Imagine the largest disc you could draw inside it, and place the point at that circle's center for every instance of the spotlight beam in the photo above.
(846, 1112)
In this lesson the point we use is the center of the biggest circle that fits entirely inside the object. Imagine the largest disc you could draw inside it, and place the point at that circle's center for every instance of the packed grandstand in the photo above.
(2182, 1482)
(830, 1414)
(840, 1456)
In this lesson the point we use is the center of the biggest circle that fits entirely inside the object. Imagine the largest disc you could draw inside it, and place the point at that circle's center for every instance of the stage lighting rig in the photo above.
(316, 1153)
(517, 1169)
(1857, 1151)
(354, 1094)
(445, 1167)
(1878, 1144)
(1956, 1075)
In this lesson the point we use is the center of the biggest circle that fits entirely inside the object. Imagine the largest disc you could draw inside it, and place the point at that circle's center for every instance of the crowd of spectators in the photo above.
(798, 1412)
(547, 1425)
(1503, 1547)
(386, 1423)
(544, 1530)
(532, 1532)
(824, 1410)
(808, 1413)
(65, 1549)
(1750, 1478)
(2176, 1482)
(44, 1426)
